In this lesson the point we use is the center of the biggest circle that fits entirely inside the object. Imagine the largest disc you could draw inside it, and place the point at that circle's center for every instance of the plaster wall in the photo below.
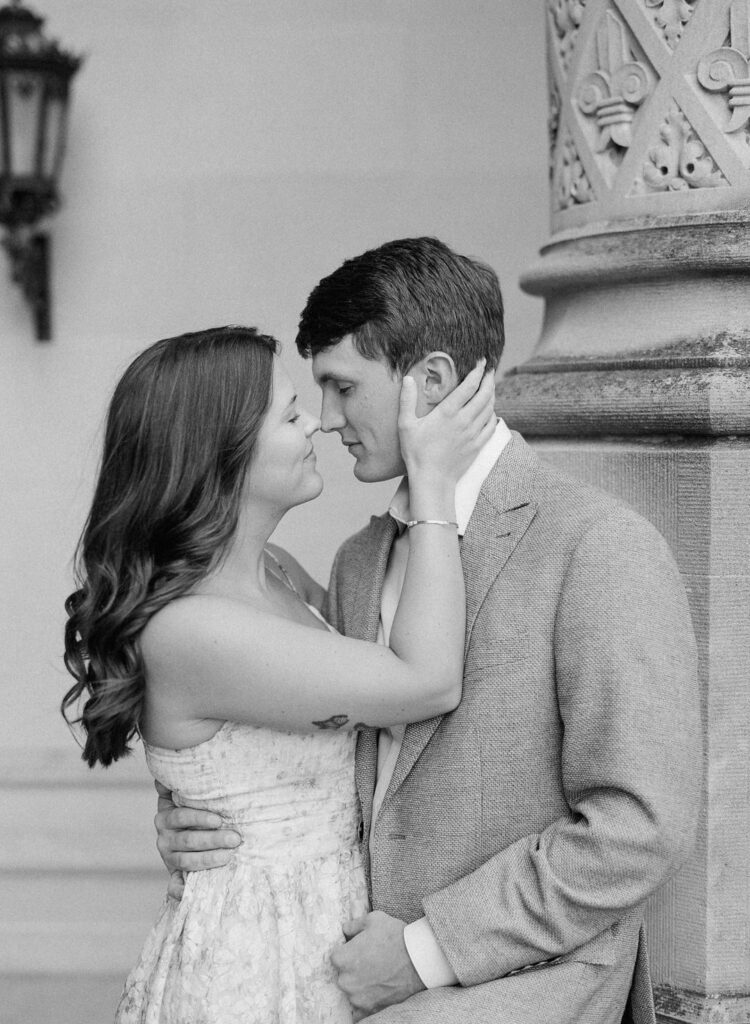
(222, 157)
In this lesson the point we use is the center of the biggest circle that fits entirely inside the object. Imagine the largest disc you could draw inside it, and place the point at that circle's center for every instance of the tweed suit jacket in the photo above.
(530, 824)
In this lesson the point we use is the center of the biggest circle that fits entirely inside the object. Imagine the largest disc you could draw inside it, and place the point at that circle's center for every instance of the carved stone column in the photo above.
(641, 384)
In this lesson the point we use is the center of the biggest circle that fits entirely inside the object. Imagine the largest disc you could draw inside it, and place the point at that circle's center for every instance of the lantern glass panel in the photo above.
(24, 95)
(54, 137)
(4, 128)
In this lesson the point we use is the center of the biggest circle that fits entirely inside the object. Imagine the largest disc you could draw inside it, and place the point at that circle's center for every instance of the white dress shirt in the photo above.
(428, 958)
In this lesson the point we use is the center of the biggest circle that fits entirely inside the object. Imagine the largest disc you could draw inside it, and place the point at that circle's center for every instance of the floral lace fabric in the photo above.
(250, 943)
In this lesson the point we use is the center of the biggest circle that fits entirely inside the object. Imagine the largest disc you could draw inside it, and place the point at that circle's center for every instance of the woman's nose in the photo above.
(312, 426)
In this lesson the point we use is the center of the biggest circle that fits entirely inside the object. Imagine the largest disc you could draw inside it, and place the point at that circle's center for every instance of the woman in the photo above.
(190, 632)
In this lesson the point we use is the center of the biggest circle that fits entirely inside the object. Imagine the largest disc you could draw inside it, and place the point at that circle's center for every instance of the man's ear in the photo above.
(436, 377)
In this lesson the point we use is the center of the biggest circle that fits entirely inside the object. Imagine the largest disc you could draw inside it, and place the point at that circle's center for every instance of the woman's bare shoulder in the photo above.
(191, 625)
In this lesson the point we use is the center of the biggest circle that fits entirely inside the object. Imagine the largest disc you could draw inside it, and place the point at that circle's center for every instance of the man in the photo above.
(512, 843)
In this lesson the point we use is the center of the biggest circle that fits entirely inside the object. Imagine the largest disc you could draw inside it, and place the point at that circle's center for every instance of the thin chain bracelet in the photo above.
(430, 522)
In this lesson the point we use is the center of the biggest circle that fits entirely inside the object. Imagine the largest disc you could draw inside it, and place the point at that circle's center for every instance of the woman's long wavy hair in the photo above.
(180, 433)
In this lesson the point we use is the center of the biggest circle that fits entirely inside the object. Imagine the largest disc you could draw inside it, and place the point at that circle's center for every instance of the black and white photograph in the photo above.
(375, 406)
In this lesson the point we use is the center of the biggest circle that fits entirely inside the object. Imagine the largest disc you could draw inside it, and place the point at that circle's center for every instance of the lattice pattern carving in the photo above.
(610, 62)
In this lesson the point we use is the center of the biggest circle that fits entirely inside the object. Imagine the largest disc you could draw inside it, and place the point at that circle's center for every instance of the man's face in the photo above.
(360, 401)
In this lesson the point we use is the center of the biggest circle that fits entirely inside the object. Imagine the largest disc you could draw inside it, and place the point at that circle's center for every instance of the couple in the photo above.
(508, 841)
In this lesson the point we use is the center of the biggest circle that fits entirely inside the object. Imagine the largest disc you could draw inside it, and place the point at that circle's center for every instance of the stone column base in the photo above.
(678, 1006)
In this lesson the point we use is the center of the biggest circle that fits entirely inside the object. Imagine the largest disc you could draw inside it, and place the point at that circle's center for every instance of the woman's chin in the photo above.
(313, 488)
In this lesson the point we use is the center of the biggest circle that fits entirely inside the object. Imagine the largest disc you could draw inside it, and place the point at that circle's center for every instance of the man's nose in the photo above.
(330, 417)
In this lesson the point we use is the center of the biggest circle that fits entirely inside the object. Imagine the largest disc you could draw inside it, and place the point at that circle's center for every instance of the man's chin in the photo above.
(369, 474)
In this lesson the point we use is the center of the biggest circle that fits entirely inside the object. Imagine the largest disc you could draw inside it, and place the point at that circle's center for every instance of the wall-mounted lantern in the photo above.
(35, 76)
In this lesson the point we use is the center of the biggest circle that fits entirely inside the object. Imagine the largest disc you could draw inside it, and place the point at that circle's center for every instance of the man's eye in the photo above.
(344, 389)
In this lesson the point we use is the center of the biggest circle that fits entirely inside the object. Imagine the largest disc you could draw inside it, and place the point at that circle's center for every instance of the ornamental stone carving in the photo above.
(553, 124)
(671, 16)
(649, 108)
(613, 92)
(571, 186)
(567, 16)
(727, 69)
(680, 161)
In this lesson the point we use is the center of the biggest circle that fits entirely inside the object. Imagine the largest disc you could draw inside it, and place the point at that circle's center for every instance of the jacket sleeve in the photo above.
(626, 681)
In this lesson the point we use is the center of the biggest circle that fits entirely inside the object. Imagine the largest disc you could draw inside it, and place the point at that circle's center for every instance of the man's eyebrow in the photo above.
(331, 375)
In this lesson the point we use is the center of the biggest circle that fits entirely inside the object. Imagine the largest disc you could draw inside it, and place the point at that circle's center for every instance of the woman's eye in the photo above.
(293, 419)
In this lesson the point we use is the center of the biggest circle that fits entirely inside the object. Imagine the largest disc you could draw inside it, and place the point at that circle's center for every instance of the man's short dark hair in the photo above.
(404, 300)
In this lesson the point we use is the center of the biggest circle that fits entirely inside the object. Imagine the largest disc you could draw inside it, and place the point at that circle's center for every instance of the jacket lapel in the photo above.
(502, 514)
(369, 586)
(364, 625)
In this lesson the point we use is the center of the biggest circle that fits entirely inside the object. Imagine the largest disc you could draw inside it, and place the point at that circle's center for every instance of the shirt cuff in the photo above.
(428, 959)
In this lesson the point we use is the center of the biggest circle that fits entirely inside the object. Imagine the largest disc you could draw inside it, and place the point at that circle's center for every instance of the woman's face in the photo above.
(282, 472)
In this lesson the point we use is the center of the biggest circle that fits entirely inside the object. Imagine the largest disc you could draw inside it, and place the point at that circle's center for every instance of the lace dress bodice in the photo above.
(250, 943)
(290, 795)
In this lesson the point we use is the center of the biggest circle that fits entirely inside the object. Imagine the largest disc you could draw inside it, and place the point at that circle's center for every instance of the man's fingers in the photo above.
(199, 861)
(194, 839)
(176, 885)
(187, 817)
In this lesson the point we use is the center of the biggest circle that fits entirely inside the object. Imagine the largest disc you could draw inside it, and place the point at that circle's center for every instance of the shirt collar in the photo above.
(468, 486)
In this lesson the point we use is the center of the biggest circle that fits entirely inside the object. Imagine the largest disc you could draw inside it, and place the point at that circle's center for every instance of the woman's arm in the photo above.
(216, 658)
(212, 657)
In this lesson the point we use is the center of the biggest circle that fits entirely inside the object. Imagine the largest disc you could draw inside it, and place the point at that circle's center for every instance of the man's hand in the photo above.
(190, 840)
(374, 968)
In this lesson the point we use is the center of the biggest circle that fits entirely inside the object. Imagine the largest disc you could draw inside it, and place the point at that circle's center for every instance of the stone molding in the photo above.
(80, 878)
(62, 767)
(642, 253)
(647, 331)
(626, 399)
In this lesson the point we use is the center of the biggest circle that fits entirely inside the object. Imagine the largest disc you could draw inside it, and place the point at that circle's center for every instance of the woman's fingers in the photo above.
(486, 432)
(482, 402)
(465, 389)
(407, 408)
